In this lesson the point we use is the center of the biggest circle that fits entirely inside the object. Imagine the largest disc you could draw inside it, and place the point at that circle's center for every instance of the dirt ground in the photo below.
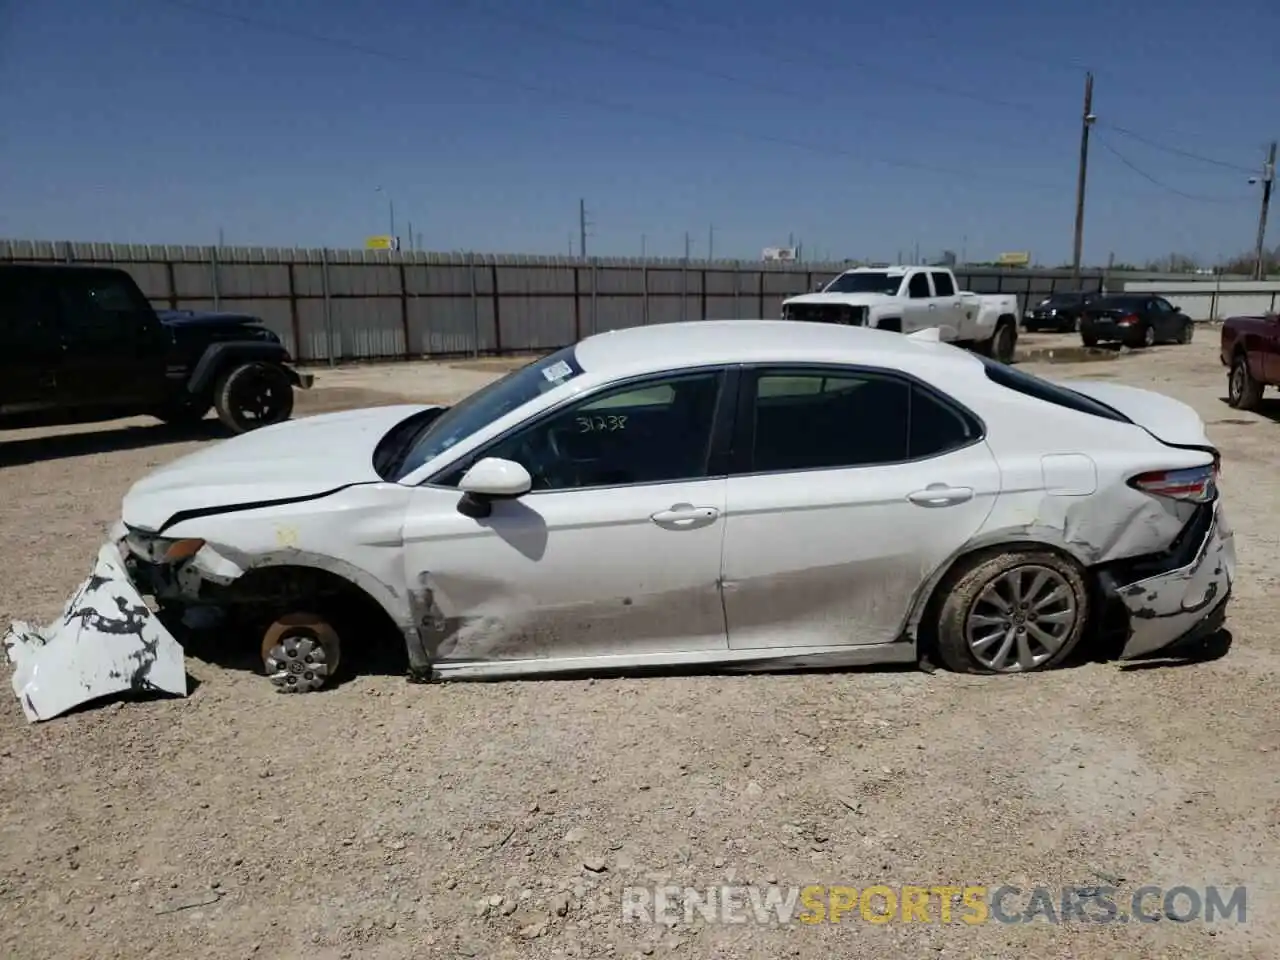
(388, 820)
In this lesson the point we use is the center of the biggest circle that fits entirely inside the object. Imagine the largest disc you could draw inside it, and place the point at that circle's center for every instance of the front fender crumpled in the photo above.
(107, 641)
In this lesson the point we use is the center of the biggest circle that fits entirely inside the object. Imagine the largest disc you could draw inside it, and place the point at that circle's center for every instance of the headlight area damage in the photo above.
(107, 642)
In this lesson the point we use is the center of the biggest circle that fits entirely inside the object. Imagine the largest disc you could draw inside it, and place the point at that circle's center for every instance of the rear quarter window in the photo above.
(1033, 386)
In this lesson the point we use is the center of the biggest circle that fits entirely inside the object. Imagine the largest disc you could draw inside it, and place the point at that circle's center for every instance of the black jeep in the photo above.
(82, 344)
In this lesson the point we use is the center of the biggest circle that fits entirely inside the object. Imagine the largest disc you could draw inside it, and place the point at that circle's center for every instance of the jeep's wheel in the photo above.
(183, 414)
(300, 652)
(253, 395)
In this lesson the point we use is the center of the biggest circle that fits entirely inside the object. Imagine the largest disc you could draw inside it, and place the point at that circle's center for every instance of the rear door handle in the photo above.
(684, 516)
(941, 495)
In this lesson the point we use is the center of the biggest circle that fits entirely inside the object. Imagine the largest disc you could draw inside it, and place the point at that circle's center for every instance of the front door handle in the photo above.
(940, 495)
(933, 306)
(684, 516)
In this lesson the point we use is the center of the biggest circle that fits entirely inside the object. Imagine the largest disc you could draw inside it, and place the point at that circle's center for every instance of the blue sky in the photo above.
(861, 129)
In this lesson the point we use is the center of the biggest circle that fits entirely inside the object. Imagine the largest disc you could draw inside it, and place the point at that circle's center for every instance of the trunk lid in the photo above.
(1168, 420)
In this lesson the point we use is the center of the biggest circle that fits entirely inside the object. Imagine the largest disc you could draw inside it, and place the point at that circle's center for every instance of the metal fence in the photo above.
(336, 305)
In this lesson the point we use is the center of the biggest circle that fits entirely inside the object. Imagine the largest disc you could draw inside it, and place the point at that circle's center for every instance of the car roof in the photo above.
(696, 343)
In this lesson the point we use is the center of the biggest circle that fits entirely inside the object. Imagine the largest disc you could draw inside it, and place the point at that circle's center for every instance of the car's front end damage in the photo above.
(107, 641)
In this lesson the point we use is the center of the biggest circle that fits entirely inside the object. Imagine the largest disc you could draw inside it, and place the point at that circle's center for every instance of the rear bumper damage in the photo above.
(107, 641)
(1183, 596)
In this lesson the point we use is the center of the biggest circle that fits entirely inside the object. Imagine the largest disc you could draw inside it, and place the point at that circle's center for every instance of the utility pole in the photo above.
(688, 246)
(410, 227)
(642, 246)
(1086, 121)
(1260, 250)
(583, 223)
(711, 242)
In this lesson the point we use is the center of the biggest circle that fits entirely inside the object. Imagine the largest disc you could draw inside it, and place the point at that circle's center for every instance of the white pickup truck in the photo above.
(911, 299)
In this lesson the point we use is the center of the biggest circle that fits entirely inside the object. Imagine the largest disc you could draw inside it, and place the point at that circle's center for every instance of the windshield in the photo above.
(488, 404)
(886, 283)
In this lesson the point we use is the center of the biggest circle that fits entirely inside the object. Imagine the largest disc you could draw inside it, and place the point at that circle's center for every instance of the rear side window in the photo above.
(942, 285)
(1033, 386)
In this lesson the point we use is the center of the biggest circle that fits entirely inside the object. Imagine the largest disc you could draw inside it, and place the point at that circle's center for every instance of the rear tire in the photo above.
(253, 395)
(1089, 340)
(1015, 611)
(1003, 342)
(1243, 392)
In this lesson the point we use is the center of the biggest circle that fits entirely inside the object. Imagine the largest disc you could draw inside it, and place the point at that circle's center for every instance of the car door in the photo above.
(29, 353)
(113, 348)
(851, 487)
(950, 308)
(1168, 321)
(919, 309)
(615, 552)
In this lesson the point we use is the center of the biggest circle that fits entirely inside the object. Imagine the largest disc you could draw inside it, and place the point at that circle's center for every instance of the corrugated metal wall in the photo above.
(331, 305)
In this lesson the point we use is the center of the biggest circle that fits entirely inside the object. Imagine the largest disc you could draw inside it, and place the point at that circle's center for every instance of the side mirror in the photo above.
(1177, 309)
(491, 479)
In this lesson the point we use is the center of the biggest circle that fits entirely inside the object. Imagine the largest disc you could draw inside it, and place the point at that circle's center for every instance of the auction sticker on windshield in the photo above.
(558, 371)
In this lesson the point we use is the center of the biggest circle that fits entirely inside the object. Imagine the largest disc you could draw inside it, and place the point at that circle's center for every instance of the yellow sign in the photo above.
(382, 242)
(1020, 259)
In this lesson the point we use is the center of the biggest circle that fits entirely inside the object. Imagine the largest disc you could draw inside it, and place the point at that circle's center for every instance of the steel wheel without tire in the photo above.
(300, 653)
(1243, 392)
(1014, 612)
(254, 395)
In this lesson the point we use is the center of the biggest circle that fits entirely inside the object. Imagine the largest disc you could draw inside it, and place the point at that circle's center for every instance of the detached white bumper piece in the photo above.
(107, 641)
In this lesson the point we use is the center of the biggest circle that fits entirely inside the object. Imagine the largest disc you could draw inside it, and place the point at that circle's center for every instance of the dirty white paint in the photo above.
(819, 565)
(106, 642)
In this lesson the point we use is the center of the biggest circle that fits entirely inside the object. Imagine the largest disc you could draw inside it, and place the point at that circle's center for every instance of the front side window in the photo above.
(655, 432)
(484, 407)
(99, 308)
(806, 420)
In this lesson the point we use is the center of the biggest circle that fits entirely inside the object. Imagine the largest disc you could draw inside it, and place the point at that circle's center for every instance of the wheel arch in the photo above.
(220, 357)
(928, 598)
(300, 576)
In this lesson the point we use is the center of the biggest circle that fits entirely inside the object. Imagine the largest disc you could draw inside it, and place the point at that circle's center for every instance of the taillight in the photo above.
(1130, 319)
(1197, 484)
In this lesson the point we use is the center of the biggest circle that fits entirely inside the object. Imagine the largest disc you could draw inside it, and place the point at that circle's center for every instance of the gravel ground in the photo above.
(386, 820)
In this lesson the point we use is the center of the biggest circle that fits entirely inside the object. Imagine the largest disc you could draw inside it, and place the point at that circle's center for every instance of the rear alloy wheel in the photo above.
(300, 653)
(1148, 336)
(253, 395)
(1014, 612)
(1243, 392)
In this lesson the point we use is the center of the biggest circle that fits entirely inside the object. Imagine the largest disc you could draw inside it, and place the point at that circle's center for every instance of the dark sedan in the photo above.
(1058, 311)
(1135, 320)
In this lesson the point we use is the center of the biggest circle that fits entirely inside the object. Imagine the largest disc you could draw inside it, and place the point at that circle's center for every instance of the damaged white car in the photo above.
(735, 494)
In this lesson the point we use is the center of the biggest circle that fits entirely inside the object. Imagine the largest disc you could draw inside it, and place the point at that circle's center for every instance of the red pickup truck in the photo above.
(1251, 354)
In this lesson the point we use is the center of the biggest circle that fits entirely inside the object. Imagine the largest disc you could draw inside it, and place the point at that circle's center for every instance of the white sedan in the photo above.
(731, 494)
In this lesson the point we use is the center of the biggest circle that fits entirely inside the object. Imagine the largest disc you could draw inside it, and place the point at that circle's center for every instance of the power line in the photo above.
(828, 59)
(610, 106)
(1176, 151)
(1160, 183)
